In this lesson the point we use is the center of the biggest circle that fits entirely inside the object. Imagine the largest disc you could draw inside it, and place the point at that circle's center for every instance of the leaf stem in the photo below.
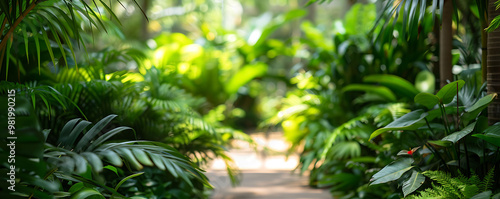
(445, 119)
(467, 156)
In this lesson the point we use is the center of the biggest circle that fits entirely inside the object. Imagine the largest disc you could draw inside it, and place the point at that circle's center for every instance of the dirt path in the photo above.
(265, 174)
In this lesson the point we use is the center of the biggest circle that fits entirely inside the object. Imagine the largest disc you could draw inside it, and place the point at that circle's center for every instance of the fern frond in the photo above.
(487, 182)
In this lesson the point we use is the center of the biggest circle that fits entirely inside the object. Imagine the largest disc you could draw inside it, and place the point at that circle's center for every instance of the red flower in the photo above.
(410, 152)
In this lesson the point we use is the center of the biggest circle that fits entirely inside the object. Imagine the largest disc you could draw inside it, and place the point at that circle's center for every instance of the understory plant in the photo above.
(450, 135)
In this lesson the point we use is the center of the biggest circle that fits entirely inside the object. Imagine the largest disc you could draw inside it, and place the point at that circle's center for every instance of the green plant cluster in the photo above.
(379, 80)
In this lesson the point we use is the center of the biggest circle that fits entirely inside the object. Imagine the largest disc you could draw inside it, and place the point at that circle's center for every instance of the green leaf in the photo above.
(93, 160)
(93, 132)
(449, 91)
(397, 84)
(491, 135)
(127, 178)
(381, 91)
(473, 111)
(392, 171)
(245, 75)
(112, 157)
(482, 195)
(142, 157)
(111, 168)
(413, 183)
(441, 143)
(455, 137)
(427, 99)
(410, 121)
(85, 193)
(494, 24)
(129, 157)
(106, 136)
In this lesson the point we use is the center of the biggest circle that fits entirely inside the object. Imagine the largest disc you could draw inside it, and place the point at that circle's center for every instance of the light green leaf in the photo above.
(455, 137)
(111, 168)
(85, 193)
(441, 143)
(449, 91)
(413, 183)
(127, 178)
(392, 171)
(410, 121)
(397, 84)
(142, 157)
(381, 91)
(245, 75)
(427, 99)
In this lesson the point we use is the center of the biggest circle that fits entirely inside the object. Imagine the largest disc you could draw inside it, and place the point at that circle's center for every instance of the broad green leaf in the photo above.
(392, 171)
(425, 81)
(245, 75)
(381, 91)
(427, 99)
(397, 84)
(449, 91)
(76, 187)
(413, 183)
(491, 135)
(473, 111)
(483, 195)
(455, 137)
(410, 121)
(441, 143)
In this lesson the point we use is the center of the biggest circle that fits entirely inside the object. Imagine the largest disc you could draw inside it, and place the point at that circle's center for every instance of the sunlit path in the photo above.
(265, 173)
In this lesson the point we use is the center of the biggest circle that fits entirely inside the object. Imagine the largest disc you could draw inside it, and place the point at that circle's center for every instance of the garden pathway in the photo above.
(266, 174)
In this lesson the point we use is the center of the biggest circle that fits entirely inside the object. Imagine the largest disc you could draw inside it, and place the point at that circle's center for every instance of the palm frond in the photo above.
(52, 21)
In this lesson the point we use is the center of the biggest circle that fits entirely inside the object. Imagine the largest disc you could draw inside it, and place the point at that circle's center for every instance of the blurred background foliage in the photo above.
(170, 83)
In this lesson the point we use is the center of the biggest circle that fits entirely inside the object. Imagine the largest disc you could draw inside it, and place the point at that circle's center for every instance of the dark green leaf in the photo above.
(392, 171)
(449, 91)
(427, 99)
(413, 183)
(455, 137)
(410, 121)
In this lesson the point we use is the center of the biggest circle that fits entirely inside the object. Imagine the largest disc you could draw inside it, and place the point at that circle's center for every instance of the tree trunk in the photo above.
(493, 65)
(445, 46)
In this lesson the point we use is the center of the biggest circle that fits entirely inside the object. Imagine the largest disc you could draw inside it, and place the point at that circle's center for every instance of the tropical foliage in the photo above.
(365, 100)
